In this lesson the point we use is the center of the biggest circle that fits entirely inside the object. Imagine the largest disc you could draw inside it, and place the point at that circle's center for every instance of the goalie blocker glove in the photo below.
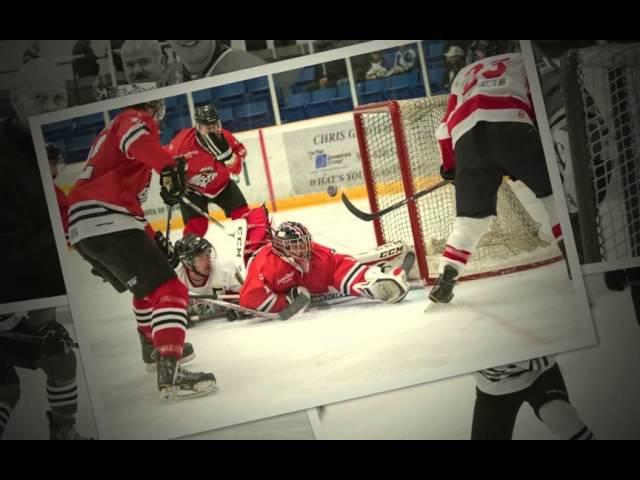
(172, 182)
(295, 292)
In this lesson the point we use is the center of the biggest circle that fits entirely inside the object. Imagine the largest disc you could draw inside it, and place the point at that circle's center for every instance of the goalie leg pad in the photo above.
(387, 285)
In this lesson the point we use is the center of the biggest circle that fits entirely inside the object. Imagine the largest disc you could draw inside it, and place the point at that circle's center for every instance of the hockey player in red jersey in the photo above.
(488, 132)
(107, 227)
(292, 263)
(56, 162)
(213, 154)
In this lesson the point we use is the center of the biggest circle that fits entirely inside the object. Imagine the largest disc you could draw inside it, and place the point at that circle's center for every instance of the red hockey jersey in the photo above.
(270, 277)
(494, 89)
(205, 174)
(114, 182)
(63, 206)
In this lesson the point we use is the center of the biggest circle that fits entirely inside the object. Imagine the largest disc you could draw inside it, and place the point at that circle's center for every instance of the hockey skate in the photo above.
(442, 291)
(149, 353)
(176, 383)
(63, 430)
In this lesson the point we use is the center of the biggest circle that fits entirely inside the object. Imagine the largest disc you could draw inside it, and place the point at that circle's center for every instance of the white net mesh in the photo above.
(513, 239)
(609, 82)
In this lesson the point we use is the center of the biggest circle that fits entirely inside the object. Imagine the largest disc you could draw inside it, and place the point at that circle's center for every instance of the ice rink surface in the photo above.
(327, 355)
(601, 380)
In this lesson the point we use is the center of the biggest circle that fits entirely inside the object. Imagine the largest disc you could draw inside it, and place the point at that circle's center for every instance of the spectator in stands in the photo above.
(205, 58)
(404, 60)
(455, 58)
(330, 74)
(377, 69)
(33, 51)
(142, 60)
(86, 64)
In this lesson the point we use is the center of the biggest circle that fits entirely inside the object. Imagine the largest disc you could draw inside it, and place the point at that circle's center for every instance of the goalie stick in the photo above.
(297, 306)
(367, 217)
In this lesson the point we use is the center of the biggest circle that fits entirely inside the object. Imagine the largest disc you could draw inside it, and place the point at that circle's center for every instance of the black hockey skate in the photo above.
(149, 353)
(442, 291)
(176, 383)
(63, 429)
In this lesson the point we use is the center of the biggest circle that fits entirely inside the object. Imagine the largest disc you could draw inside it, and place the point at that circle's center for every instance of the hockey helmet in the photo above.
(191, 246)
(292, 241)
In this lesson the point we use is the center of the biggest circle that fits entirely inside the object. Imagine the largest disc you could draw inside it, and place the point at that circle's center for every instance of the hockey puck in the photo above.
(332, 190)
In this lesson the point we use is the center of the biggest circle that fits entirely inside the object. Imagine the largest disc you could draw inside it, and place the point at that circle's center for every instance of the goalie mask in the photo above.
(196, 254)
(292, 242)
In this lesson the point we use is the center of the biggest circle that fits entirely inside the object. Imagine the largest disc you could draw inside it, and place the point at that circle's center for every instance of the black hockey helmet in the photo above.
(489, 48)
(206, 115)
(292, 241)
(190, 246)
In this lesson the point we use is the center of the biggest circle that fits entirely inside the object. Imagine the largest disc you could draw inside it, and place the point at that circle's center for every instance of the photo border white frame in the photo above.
(89, 360)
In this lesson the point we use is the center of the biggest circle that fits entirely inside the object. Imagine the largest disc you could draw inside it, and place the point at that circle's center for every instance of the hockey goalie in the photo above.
(292, 264)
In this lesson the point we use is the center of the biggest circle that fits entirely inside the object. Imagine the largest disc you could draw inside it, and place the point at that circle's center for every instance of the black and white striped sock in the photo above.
(583, 434)
(5, 413)
(63, 399)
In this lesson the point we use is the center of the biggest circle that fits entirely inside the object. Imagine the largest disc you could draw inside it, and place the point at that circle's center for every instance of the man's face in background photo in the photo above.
(193, 52)
(39, 89)
(142, 60)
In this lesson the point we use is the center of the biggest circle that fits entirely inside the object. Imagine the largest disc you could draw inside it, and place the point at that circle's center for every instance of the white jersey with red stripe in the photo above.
(494, 89)
(513, 377)
(224, 278)
(114, 181)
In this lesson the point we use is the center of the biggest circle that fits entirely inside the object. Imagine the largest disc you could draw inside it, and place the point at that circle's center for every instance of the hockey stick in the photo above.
(314, 301)
(367, 217)
(315, 297)
(28, 338)
(297, 306)
(169, 214)
(198, 210)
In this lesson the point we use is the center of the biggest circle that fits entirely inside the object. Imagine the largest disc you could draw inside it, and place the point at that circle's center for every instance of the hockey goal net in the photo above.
(400, 157)
(602, 99)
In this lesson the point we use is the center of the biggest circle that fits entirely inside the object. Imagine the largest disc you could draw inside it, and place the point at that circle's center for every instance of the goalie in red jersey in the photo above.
(293, 264)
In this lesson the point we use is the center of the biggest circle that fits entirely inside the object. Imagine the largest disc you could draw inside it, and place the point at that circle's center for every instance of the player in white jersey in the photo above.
(488, 132)
(501, 391)
(204, 274)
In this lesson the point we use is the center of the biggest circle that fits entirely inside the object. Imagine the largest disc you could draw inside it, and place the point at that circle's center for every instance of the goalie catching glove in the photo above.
(384, 283)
